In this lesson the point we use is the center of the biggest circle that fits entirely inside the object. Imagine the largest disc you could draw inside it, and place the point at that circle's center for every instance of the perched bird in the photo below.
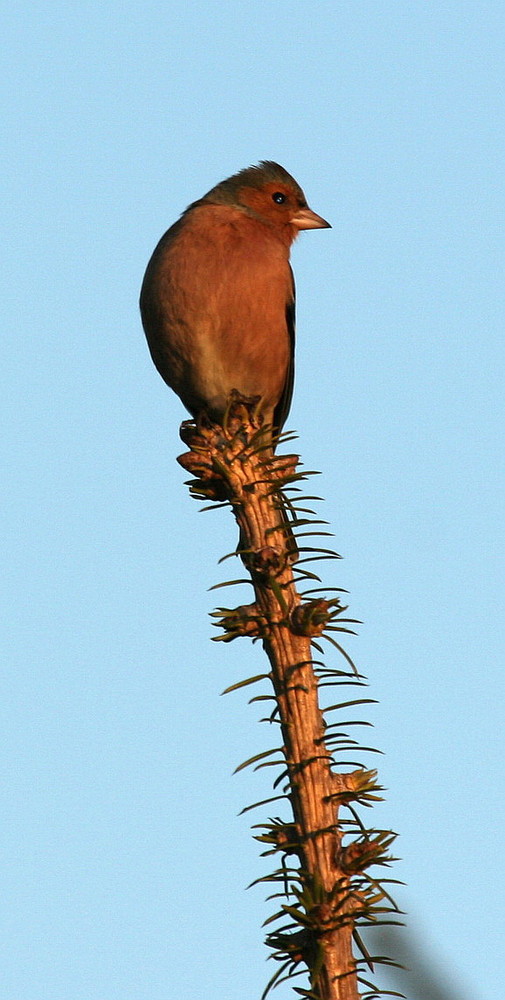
(218, 296)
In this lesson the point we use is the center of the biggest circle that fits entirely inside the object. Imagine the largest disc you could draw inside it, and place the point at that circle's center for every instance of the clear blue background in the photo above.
(123, 863)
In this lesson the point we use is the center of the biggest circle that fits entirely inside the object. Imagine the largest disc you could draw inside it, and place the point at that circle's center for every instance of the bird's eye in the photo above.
(279, 197)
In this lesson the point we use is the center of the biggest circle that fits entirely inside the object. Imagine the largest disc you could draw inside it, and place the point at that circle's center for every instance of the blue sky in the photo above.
(123, 864)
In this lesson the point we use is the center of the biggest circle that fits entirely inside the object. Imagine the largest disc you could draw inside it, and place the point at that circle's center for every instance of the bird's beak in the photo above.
(305, 218)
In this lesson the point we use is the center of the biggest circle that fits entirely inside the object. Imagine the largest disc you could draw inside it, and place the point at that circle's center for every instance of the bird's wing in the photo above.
(283, 406)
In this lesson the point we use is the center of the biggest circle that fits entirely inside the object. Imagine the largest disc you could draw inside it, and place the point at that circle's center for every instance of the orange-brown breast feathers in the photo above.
(217, 306)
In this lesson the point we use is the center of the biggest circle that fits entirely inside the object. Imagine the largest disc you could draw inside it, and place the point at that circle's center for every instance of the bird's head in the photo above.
(269, 193)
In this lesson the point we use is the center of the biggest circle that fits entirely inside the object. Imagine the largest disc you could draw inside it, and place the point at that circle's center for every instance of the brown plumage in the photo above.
(218, 297)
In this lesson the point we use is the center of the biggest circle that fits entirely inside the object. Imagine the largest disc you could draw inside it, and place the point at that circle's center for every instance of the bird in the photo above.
(218, 296)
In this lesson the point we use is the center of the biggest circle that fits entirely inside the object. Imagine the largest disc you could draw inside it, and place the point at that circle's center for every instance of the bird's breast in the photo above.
(220, 287)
